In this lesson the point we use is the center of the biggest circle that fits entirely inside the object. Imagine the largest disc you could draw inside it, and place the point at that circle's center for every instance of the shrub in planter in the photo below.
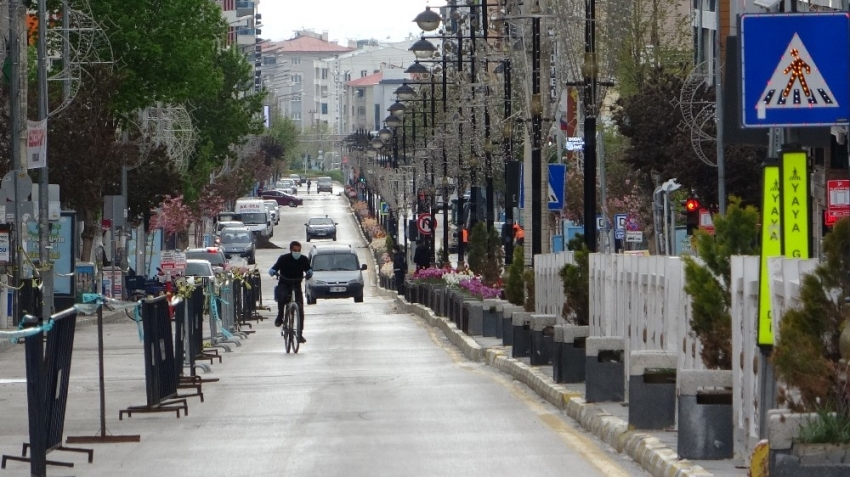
(708, 283)
(808, 353)
(528, 277)
(575, 278)
(485, 253)
(514, 285)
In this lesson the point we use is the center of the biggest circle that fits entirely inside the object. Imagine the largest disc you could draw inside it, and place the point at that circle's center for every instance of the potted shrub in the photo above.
(514, 292)
(707, 281)
(569, 353)
(810, 358)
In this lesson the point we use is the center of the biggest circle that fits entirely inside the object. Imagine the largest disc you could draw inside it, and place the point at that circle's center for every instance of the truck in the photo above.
(252, 212)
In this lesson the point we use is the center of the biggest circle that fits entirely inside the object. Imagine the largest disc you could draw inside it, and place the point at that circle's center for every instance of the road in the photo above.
(372, 392)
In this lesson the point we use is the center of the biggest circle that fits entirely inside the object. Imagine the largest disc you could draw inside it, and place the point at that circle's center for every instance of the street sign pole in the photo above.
(44, 265)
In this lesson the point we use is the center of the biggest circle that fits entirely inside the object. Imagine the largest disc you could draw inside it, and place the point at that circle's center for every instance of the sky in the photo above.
(343, 19)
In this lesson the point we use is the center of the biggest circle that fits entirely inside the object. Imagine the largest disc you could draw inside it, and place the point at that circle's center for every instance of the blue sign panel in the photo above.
(795, 69)
(385, 208)
(620, 226)
(557, 179)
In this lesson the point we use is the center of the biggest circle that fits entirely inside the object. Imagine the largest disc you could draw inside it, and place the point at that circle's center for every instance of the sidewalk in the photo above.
(655, 451)
(82, 320)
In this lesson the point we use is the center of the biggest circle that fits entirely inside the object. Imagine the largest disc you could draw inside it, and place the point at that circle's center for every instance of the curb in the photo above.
(647, 451)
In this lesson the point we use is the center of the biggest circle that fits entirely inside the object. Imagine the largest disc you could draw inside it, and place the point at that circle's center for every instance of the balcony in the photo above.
(246, 36)
(245, 8)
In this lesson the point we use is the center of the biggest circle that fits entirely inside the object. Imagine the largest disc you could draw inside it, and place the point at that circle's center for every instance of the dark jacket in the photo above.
(420, 257)
(399, 262)
(290, 268)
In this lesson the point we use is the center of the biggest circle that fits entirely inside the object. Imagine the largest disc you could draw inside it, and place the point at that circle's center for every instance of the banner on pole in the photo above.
(36, 144)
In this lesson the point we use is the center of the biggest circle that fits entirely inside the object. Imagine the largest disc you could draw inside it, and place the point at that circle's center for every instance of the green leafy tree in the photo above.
(515, 286)
(808, 351)
(149, 183)
(284, 131)
(575, 278)
(708, 283)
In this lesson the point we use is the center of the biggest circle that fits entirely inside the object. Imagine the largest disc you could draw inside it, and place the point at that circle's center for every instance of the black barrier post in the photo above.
(48, 376)
(102, 437)
(160, 378)
(182, 350)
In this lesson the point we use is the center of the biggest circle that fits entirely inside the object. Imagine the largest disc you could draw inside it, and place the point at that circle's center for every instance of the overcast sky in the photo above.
(343, 19)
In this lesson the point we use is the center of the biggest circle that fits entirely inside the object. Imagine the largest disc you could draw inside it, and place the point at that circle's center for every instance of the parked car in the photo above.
(282, 198)
(297, 179)
(321, 227)
(337, 273)
(214, 255)
(199, 271)
(238, 242)
(272, 207)
(324, 184)
(223, 224)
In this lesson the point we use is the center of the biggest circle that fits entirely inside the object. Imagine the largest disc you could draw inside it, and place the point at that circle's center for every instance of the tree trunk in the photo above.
(90, 228)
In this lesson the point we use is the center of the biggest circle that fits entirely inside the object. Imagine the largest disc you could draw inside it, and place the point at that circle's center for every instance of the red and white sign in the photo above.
(837, 201)
(705, 222)
(170, 260)
(425, 224)
(36, 144)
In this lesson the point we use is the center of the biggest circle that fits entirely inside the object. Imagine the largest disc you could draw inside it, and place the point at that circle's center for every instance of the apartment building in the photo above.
(243, 30)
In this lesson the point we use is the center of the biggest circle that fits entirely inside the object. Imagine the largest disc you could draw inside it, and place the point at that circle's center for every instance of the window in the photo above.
(296, 116)
(296, 61)
(335, 262)
(361, 111)
(324, 108)
(361, 92)
(324, 91)
(296, 79)
(347, 76)
(316, 74)
(324, 73)
(364, 73)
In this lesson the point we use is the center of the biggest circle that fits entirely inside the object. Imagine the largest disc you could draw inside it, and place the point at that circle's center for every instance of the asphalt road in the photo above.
(372, 392)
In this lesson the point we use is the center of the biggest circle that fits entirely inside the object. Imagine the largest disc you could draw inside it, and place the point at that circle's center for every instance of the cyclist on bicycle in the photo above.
(291, 266)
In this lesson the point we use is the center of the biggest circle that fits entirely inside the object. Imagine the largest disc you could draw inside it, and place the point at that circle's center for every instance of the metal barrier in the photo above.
(160, 375)
(48, 368)
(182, 351)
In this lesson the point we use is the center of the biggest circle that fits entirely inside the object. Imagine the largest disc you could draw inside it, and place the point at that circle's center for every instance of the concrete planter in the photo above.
(435, 303)
(415, 291)
(791, 458)
(568, 363)
(521, 347)
(705, 415)
(652, 389)
(474, 317)
(542, 339)
(604, 369)
(408, 290)
(507, 323)
(491, 319)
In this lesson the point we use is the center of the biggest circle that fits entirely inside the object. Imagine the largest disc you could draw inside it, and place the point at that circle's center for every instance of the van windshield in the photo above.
(253, 218)
(335, 262)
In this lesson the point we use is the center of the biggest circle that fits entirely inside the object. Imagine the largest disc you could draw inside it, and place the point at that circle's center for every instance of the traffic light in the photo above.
(691, 212)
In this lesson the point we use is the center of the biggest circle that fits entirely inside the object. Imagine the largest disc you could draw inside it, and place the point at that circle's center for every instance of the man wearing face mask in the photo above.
(292, 267)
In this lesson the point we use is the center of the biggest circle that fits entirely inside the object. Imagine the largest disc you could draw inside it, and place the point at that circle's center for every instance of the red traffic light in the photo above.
(691, 205)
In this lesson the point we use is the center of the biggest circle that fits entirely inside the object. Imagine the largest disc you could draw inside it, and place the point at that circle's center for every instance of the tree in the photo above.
(575, 278)
(284, 131)
(149, 184)
(515, 286)
(165, 50)
(709, 283)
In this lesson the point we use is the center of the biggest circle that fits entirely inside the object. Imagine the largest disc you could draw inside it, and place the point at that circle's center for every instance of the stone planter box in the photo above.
(408, 290)
(568, 363)
(790, 458)
(652, 389)
(542, 339)
(705, 415)
(492, 321)
(507, 323)
(415, 291)
(604, 369)
(437, 291)
(521, 347)
(474, 322)
(440, 296)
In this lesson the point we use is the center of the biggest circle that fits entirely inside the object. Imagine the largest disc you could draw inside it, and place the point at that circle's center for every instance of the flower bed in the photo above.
(429, 275)
(478, 289)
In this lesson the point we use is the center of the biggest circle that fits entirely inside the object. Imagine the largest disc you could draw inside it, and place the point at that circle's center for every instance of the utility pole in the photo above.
(43, 179)
(589, 71)
(15, 102)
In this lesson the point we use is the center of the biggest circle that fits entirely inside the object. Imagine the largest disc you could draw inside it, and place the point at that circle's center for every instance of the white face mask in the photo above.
(296, 255)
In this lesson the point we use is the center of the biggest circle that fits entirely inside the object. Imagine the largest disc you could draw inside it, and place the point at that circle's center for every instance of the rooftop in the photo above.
(304, 44)
(368, 80)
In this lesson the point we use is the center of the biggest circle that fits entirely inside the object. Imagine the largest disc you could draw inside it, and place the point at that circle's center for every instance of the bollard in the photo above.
(475, 317)
(604, 369)
(507, 323)
(542, 339)
(568, 363)
(652, 389)
(706, 427)
(521, 322)
(490, 318)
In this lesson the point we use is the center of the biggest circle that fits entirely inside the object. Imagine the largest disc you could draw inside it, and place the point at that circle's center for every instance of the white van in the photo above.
(252, 212)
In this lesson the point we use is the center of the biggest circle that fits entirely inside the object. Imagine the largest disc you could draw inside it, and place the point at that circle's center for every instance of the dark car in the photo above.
(321, 227)
(324, 184)
(283, 198)
(238, 242)
(337, 273)
(214, 255)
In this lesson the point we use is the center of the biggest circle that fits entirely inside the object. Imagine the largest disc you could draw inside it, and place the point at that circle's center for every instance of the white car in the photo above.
(273, 208)
(287, 186)
(199, 272)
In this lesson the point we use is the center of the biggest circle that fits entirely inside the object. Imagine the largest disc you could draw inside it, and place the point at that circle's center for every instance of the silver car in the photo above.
(337, 273)
(321, 227)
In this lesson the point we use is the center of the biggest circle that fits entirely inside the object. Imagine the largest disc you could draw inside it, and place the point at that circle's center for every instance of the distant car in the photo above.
(223, 224)
(283, 198)
(272, 207)
(238, 243)
(214, 255)
(199, 271)
(324, 184)
(321, 227)
(337, 273)
(287, 185)
(296, 179)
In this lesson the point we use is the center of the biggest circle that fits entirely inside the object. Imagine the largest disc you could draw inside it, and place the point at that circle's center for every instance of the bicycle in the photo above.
(291, 318)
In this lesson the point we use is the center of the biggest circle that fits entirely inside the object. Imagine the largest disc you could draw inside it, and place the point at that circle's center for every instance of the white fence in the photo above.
(642, 299)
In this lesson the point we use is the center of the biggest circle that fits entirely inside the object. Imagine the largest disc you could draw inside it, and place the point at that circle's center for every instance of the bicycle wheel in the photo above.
(131, 312)
(295, 317)
(286, 330)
